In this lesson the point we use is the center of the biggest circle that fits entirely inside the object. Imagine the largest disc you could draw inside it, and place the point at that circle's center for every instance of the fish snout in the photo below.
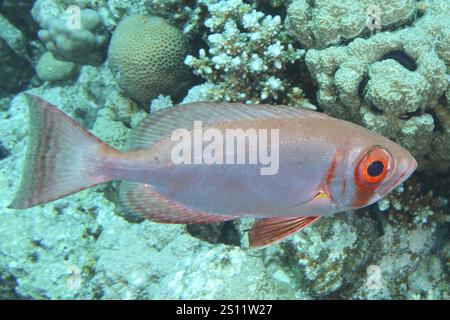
(412, 168)
(406, 167)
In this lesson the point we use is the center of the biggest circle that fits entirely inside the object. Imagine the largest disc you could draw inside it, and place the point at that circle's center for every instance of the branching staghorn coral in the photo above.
(247, 57)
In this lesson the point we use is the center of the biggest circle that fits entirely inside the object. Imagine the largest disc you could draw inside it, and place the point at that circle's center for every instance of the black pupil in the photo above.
(375, 168)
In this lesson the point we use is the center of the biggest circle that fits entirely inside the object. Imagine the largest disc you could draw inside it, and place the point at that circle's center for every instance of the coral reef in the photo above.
(18, 12)
(76, 35)
(391, 82)
(328, 257)
(184, 14)
(14, 37)
(16, 71)
(146, 56)
(322, 23)
(247, 58)
(413, 224)
(175, 266)
(394, 80)
(440, 149)
(50, 69)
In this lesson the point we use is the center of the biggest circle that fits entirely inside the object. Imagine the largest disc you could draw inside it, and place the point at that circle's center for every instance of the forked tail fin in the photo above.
(62, 157)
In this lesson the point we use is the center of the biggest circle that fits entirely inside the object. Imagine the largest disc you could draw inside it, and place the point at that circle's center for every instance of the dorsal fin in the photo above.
(159, 125)
(143, 200)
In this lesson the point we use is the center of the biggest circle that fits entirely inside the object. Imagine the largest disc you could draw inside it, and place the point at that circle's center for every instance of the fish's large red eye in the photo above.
(373, 167)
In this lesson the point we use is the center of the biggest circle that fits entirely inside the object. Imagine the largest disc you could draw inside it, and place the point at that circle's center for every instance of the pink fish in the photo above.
(325, 165)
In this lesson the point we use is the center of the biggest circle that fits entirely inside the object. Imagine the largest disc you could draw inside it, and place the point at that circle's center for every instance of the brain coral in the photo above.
(146, 55)
(50, 69)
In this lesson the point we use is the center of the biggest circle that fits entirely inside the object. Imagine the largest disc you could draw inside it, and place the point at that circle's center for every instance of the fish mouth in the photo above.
(413, 167)
(409, 170)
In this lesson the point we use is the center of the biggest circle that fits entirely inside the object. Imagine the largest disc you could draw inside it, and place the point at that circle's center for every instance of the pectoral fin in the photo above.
(271, 230)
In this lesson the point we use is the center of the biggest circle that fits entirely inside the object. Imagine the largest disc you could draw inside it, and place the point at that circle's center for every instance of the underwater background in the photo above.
(383, 64)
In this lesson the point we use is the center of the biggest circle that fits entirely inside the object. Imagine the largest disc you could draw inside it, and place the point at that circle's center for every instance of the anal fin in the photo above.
(143, 200)
(271, 230)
